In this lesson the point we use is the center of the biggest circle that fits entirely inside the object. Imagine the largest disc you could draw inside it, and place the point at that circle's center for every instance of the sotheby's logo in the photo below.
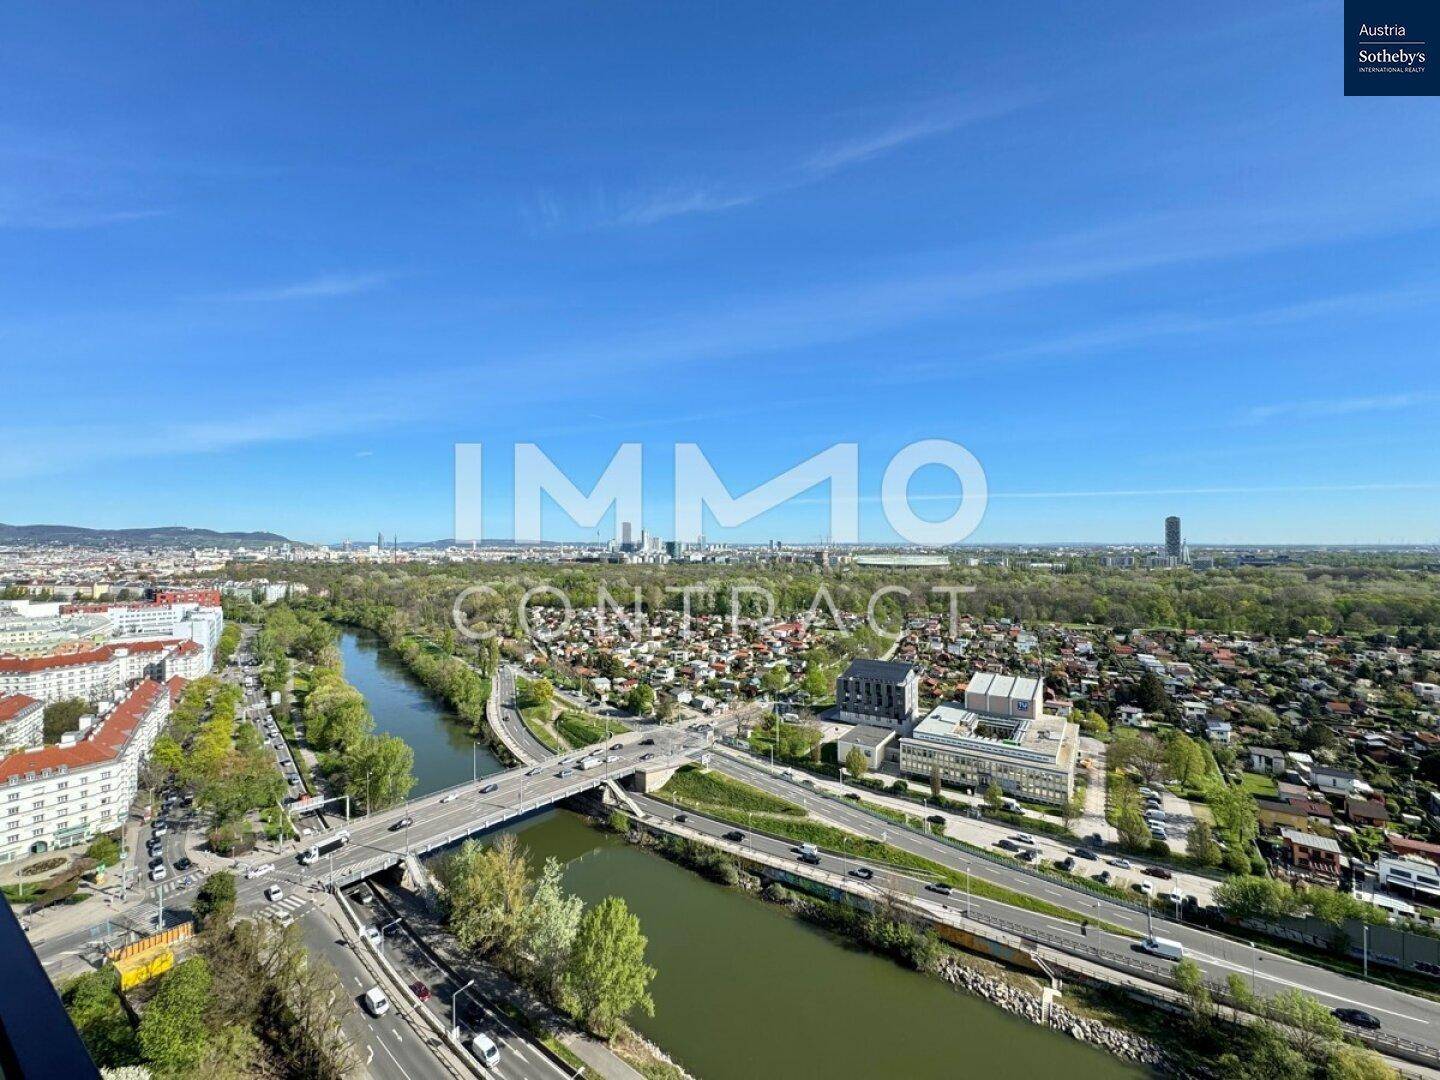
(1387, 48)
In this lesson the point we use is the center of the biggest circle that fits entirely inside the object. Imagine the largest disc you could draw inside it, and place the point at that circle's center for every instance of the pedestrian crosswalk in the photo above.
(288, 908)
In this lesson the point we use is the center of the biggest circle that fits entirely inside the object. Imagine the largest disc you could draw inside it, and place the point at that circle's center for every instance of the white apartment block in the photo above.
(95, 674)
(60, 796)
(22, 722)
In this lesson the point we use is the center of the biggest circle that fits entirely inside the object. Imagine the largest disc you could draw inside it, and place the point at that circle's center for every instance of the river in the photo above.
(744, 990)
(402, 706)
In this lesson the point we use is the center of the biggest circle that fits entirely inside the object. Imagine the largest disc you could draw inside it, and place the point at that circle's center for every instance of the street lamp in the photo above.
(454, 1014)
(967, 890)
(1253, 952)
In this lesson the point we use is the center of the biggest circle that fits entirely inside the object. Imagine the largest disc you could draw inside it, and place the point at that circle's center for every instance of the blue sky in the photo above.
(265, 264)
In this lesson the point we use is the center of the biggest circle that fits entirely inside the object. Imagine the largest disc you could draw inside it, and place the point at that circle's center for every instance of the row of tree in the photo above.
(588, 962)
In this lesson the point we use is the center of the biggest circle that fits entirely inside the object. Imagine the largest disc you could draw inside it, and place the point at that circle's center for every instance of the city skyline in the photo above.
(291, 297)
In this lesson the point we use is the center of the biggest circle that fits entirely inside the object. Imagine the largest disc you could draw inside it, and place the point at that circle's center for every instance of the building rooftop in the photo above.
(105, 742)
(12, 705)
(885, 670)
(1040, 739)
(1310, 840)
(867, 735)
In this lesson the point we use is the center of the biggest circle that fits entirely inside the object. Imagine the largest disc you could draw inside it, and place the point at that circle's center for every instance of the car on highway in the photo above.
(274, 892)
(565, 774)
(450, 798)
(536, 771)
(682, 818)
(809, 857)
(1084, 853)
(403, 823)
(259, 871)
(864, 873)
(1121, 864)
(1357, 1018)
(1023, 838)
(735, 836)
(420, 990)
(1158, 871)
(1006, 844)
(489, 789)
(939, 887)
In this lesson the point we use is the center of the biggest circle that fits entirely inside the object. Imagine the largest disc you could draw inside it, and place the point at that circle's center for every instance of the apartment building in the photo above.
(96, 674)
(22, 722)
(59, 796)
(1000, 735)
(880, 693)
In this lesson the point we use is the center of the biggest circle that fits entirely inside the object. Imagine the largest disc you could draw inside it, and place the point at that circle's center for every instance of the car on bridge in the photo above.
(420, 990)
(735, 836)
(403, 823)
(450, 798)
(864, 873)
(939, 887)
(489, 789)
(565, 774)
(536, 771)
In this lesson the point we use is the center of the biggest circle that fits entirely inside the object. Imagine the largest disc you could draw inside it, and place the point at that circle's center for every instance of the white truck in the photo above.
(1165, 948)
(590, 763)
(325, 847)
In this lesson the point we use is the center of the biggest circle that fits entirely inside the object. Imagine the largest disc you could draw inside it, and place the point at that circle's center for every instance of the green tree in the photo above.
(105, 850)
(215, 899)
(63, 716)
(856, 763)
(552, 923)
(641, 699)
(173, 1031)
(775, 679)
(375, 771)
(487, 895)
(1190, 981)
(994, 797)
(1267, 1056)
(1346, 1062)
(1200, 844)
(1311, 1023)
(607, 976)
(1131, 825)
(816, 683)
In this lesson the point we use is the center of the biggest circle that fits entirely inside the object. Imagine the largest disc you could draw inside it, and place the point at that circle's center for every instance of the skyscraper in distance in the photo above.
(1172, 537)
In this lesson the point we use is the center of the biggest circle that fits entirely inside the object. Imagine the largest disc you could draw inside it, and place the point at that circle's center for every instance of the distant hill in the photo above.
(160, 536)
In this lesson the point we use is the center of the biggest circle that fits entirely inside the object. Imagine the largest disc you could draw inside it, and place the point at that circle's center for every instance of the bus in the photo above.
(330, 844)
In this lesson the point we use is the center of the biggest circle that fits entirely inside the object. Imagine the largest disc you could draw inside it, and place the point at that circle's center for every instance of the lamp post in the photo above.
(454, 1013)
(967, 890)
(1253, 953)
(1365, 934)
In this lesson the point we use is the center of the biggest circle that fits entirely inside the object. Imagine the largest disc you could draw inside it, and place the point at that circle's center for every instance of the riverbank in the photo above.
(913, 947)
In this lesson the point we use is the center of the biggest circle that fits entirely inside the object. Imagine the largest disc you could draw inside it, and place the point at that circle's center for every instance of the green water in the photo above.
(747, 991)
(445, 754)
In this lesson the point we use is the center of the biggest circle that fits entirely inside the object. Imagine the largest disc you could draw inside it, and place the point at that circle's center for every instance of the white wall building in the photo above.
(60, 796)
(22, 722)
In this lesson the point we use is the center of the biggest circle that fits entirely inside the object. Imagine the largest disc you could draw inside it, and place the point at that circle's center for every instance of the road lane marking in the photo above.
(393, 1058)
(1259, 974)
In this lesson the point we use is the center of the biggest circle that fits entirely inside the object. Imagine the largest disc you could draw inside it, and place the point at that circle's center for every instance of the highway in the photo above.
(1404, 1015)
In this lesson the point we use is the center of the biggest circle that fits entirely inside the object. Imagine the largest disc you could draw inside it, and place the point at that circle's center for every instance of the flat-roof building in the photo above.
(999, 735)
(880, 693)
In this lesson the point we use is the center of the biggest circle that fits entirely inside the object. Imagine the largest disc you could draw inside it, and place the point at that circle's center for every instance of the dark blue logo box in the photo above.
(1390, 48)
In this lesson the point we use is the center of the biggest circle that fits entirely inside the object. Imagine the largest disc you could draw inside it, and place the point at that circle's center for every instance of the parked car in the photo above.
(1023, 838)
(160, 829)
(1121, 864)
(1158, 871)
(647, 742)
(616, 746)
(157, 873)
(420, 990)
(1146, 887)
(158, 860)
(1083, 853)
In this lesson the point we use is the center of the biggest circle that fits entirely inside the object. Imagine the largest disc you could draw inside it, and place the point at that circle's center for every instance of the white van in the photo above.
(376, 1003)
(158, 874)
(1163, 947)
(485, 1049)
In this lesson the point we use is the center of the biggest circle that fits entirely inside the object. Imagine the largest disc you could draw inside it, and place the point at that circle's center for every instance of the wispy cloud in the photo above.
(714, 197)
(1328, 407)
(325, 286)
(59, 219)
